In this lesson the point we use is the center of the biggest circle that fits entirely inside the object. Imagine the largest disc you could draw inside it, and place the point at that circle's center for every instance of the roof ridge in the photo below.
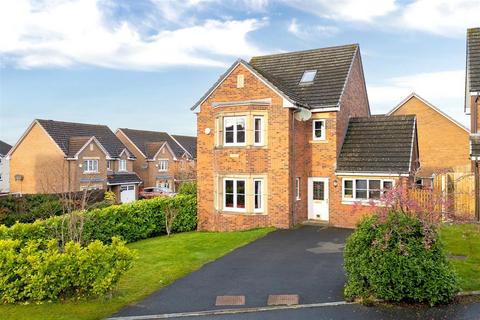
(68, 122)
(140, 130)
(355, 45)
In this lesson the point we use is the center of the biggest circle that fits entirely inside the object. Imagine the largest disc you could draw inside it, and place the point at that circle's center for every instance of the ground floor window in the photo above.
(243, 195)
(163, 184)
(365, 189)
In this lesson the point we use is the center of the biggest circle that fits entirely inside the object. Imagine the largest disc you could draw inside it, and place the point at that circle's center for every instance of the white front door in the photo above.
(127, 193)
(318, 199)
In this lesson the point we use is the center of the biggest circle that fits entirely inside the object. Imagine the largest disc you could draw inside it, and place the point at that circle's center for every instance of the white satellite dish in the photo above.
(303, 115)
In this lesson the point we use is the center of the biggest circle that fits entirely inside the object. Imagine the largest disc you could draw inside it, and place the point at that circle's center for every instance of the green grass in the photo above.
(464, 240)
(161, 261)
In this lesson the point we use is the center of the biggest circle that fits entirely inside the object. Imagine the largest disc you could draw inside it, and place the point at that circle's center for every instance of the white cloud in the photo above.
(444, 89)
(443, 17)
(306, 32)
(349, 10)
(64, 33)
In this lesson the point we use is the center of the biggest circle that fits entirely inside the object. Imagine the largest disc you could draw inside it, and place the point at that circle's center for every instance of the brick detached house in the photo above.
(161, 159)
(472, 105)
(59, 157)
(4, 167)
(443, 142)
(288, 137)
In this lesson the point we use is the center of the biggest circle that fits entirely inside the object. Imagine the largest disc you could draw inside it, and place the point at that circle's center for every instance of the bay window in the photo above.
(258, 130)
(234, 131)
(258, 195)
(365, 189)
(234, 191)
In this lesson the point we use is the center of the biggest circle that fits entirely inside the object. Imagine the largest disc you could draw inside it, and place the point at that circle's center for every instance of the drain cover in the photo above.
(282, 299)
(230, 301)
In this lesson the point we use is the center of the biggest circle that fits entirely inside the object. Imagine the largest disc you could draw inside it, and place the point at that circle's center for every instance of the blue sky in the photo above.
(144, 63)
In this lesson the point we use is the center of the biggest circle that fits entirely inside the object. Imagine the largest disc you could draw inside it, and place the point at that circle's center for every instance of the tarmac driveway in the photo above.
(306, 261)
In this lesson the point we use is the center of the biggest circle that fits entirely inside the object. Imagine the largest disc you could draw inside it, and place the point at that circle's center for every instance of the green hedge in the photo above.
(131, 222)
(37, 270)
(398, 258)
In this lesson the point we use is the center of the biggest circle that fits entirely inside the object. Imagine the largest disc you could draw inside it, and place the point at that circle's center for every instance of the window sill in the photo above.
(318, 141)
(91, 172)
(241, 213)
(363, 202)
(242, 147)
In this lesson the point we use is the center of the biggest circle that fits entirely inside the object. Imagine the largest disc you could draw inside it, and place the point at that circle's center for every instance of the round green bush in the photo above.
(398, 258)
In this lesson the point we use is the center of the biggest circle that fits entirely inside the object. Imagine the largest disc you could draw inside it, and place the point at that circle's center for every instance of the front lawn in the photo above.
(161, 261)
(462, 244)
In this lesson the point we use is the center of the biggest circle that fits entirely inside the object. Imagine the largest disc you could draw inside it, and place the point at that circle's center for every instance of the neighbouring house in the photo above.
(288, 137)
(4, 167)
(161, 159)
(442, 141)
(472, 105)
(60, 157)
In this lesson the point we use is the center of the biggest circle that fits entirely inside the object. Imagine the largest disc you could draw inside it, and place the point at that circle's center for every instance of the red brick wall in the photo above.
(290, 153)
(274, 160)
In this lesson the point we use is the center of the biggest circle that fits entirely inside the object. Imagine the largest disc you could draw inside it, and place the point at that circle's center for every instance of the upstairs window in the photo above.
(258, 131)
(122, 165)
(109, 165)
(234, 131)
(90, 166)
(318, 128)
(308, 76)
(163, 165)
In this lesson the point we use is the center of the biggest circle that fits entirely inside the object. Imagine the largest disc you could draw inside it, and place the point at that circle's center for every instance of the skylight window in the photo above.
(308, 76)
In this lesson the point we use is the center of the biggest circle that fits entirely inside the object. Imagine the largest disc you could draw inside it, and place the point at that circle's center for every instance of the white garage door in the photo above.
(127, 193)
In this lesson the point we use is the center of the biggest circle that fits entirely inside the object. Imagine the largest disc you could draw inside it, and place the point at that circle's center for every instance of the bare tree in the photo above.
(171, 214)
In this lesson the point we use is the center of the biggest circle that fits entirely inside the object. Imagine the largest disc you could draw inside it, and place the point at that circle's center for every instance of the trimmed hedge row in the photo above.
(131, 222)
(38, 270)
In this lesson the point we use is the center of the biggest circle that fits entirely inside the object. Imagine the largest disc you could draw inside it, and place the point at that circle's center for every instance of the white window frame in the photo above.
(354, 189)
(88, 166)
(297, 188)
(163, 165)
(260, 209)
(109, 165)
(261, 142)
(235, 194)
(235, 138)
(122, 165)
(324, 126)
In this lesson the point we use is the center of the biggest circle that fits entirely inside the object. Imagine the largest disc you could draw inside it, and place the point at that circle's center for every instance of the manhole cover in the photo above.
(230, 301)
(282, 299)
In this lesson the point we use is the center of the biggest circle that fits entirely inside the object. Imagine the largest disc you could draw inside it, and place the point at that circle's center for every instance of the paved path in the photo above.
(305, 261)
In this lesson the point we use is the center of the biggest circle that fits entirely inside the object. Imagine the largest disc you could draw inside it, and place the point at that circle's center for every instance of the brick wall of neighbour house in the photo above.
(140, 164)
(270, 162)
(92, 151)
(41, 163)
(442, 143)
(153, 168)
(4, 174)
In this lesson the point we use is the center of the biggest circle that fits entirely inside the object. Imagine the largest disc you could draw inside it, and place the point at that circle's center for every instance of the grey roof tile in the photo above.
(142, 139)
(62, 132)
(122, 178)
(379, 144)
(473, 59)
(4, 148)
(286, 69)
(189, 143)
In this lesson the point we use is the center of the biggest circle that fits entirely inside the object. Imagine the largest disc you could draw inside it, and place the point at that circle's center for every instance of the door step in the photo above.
(315, 223)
